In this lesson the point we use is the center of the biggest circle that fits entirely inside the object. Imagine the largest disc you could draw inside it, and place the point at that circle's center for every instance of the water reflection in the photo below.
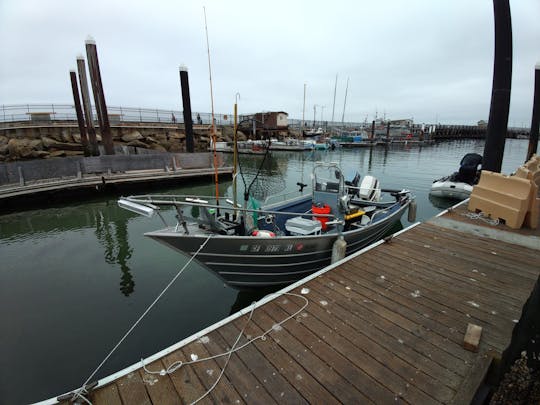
(247, 297)
(442, 203)
(112, 233)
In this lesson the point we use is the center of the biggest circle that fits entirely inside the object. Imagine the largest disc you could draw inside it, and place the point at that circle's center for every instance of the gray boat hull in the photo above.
(246, 262)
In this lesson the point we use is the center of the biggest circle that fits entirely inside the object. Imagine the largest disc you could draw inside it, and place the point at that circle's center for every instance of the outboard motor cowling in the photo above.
(468, 168)
(369, 189)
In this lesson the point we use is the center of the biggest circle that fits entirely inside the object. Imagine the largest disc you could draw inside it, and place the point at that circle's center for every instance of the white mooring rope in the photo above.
(481, 216)
(178, 364)
(79, 392)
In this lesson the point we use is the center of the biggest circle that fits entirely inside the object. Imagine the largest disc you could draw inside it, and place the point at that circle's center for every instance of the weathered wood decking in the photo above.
(385, 326)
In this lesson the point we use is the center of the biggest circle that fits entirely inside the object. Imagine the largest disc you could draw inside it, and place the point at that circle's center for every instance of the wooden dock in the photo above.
(13, 195)
(383, 326)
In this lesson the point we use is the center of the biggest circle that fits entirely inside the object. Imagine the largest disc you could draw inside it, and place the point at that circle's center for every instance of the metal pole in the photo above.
(304, 109)
(535, 123)
(186, 102)
(78, 110)
(99, 97)
(502, 85)
(345, 101)
(235, 151)
(334, 104)
(83, 82)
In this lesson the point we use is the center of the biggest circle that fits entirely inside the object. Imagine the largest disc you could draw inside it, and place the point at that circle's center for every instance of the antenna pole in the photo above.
(213, 127)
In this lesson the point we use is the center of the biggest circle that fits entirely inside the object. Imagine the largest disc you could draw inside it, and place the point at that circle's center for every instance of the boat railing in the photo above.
(144, 204)
(272, 199)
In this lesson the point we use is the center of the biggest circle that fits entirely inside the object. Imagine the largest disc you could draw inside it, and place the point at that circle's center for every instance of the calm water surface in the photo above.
(73, 279)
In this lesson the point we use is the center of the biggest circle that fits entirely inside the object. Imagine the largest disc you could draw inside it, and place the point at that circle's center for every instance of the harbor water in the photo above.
(75, 277)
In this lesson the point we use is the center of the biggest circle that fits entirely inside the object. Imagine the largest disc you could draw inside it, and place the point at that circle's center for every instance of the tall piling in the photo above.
(502, 85)
(78, 111)
(372, 135)
(535, 123)
(87, 106)
(186, 103)
(99, 97)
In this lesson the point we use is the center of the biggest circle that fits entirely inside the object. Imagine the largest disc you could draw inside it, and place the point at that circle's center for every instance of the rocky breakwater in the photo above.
(58, 141)
(43, 143)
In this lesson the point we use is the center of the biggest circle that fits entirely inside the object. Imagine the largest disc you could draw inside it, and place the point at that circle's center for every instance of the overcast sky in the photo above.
(423, 59)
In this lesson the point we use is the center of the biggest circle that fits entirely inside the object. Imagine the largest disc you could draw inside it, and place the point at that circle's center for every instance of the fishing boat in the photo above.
(276, 243)
(459, 184)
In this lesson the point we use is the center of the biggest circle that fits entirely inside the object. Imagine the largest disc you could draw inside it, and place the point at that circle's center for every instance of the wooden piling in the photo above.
(78, 111)
(502, 85)
(186, 102)
(535, 123)
(99, 97)
(87, 106)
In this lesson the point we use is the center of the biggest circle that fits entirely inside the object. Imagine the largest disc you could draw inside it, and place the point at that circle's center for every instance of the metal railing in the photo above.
(40, 113)
(43, 113)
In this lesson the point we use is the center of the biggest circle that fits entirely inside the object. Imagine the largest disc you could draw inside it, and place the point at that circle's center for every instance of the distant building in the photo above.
(407, 122)
(271, 120)
(482, 124)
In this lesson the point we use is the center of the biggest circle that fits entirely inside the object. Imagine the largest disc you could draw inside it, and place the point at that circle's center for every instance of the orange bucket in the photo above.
(325, 209)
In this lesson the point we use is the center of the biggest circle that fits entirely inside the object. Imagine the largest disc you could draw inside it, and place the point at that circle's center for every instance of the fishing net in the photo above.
(262, 178)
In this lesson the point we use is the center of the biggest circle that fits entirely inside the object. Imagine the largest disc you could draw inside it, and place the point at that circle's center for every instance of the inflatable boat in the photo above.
(459, 184)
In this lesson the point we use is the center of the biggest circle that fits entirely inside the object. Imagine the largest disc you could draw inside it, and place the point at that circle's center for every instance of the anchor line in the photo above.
(80, 391)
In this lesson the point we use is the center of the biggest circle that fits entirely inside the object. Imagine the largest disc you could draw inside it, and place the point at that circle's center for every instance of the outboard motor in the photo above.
(370, 189)
(468, 168)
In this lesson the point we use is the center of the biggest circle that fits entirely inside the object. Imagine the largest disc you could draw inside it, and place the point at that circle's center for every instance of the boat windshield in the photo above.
(328, 178)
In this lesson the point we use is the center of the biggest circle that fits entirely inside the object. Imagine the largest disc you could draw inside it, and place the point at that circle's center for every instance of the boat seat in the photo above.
(500, 196)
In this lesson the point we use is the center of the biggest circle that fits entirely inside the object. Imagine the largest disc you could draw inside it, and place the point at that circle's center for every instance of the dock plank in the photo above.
(307, 386)
(107, 395)
(133, 390)
(160, 388)
(326, 351)
(352, 349)
(266, 373)
(240, 376)
(207, 372)
(310, 361)
(432, 298)
(451, 270)
(429, 359)
(187, 384)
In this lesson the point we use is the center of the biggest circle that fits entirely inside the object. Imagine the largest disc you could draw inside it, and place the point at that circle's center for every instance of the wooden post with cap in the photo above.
(87, 106)
(535, 123)
(78, 111)
(186, 103)
(99, 97)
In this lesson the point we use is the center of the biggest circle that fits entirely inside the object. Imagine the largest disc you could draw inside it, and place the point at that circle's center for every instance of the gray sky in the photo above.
(426, 59)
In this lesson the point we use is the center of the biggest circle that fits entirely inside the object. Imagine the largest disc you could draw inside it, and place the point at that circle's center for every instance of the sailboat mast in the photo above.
(334, 105)
(213, 127)
(345, 101)
(304, 109)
